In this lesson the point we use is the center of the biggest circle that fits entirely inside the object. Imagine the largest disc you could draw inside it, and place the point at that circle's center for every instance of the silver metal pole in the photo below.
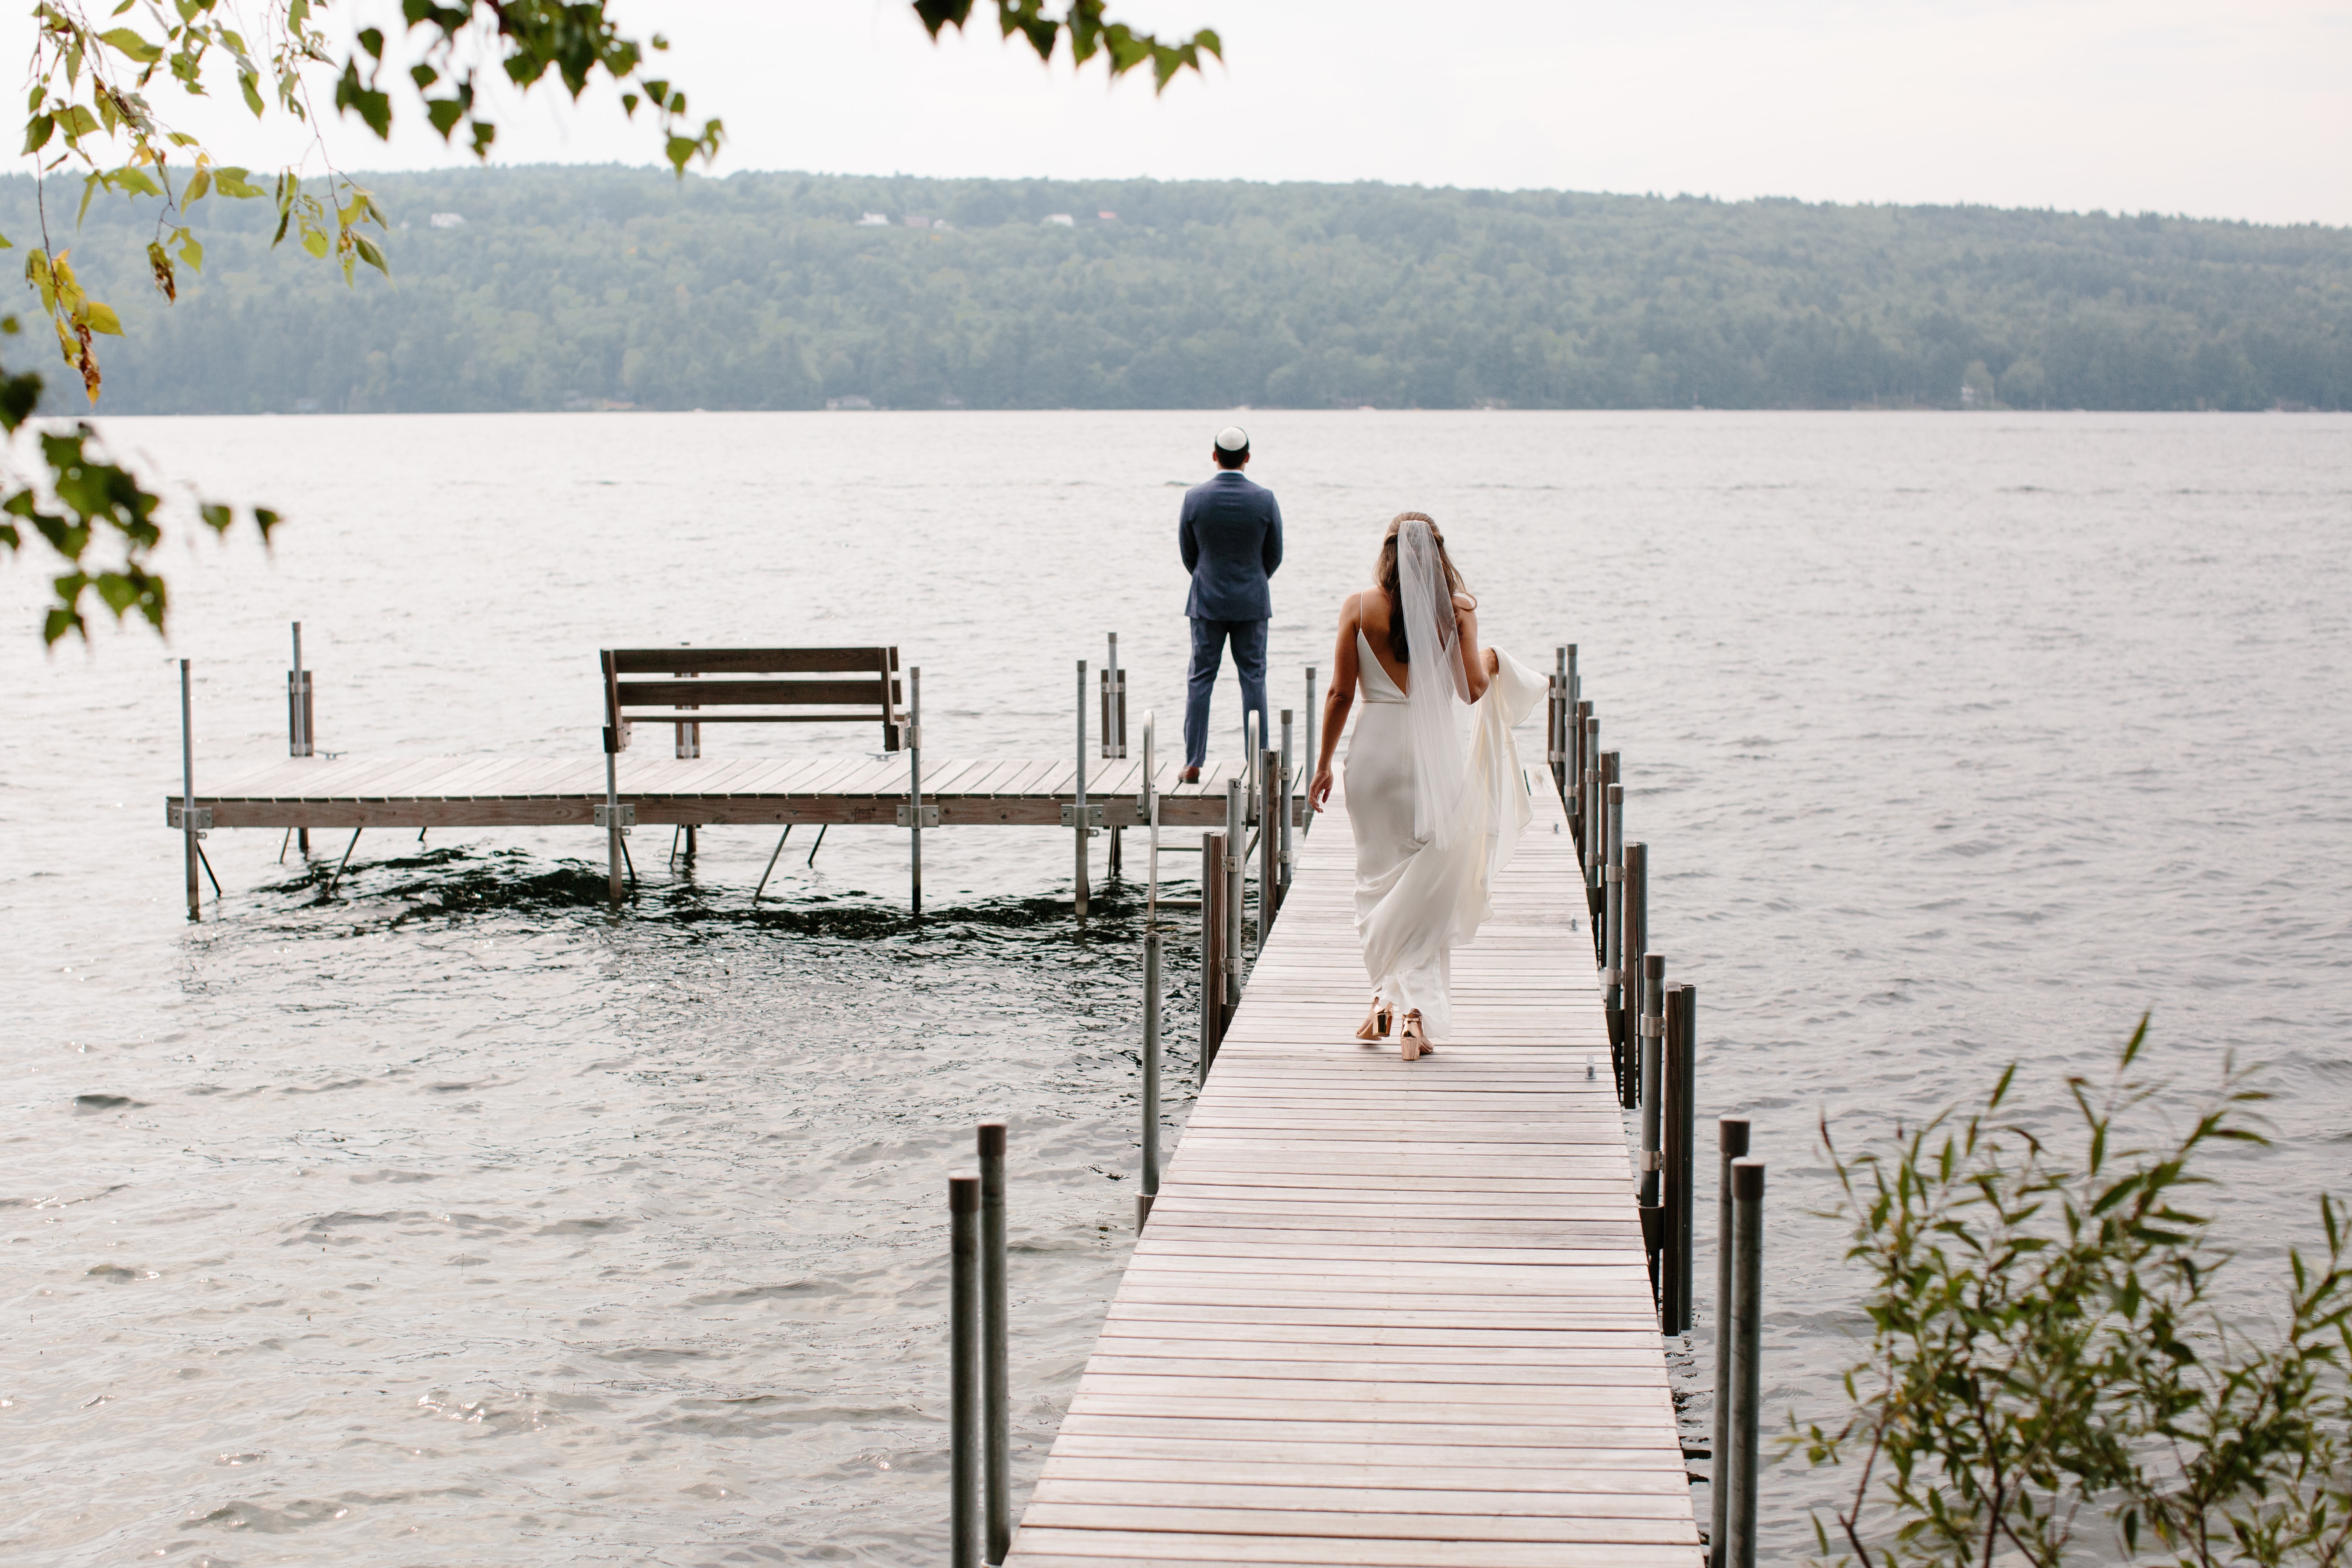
(996, 1392)
(1080, 899)
(1654, 1020)
(1731, 1138)
(1151, 1075)
(304, 716)
(1288, 792)
(188, 792)
(914, 786)
(1269, 844)
(1588, 799)
(612, 822)
(1612, 896)
(1146, 806)
(1747, 1372)
(1311, 756)
(1236, 843)
(1213, 947)
(1630, 973)
(1681, 1045)
(963, 1370)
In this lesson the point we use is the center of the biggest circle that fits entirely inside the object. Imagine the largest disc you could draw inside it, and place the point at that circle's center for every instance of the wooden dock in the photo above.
(554, 792)
(1388, 1315)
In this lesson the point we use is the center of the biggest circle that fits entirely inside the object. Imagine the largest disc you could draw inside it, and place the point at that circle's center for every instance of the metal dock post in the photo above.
(1078, 816)
(1747, 1337)
(1310, 758)
(188, 795)
(995, 1393)
(1274, 802)
(1236, 842)
(963, 1370)
(1731, 1140)
(1289, 783)
(1681, 1053)
(914, 790)
(300, 733)
(1654, 1023)
(1114, 732)
(1633, 947)
(1213, 949)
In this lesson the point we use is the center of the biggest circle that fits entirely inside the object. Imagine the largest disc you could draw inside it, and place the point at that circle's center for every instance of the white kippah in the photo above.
(1232, 438)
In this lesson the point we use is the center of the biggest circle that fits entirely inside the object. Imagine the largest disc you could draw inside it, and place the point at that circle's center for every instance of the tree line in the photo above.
(594, 287)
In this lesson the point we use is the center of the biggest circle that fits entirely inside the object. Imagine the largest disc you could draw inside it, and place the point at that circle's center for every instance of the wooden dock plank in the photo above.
(546, 792)
(1387, 1314)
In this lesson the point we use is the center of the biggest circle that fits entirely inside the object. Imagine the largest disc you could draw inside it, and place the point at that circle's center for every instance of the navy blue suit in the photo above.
(1230, 536)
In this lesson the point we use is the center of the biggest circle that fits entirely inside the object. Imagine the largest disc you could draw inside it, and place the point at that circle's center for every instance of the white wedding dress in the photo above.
(1434, 819)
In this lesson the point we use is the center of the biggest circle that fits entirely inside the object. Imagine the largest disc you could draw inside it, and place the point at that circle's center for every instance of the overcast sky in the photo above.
(2235, 110)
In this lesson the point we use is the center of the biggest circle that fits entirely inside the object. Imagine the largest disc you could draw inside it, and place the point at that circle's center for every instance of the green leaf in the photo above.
(192, 252)
(134, 182)
(314, 240)
(38, 131)
(102, 318)
(130, 43)
(199, 184)
(230, 181)
(369, 254)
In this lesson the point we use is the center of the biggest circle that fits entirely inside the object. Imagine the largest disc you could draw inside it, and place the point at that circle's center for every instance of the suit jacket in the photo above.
(1230, 534)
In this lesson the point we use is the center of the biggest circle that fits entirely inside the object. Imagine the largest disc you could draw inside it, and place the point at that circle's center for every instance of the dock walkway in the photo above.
(1386, 1315)
(549, 792)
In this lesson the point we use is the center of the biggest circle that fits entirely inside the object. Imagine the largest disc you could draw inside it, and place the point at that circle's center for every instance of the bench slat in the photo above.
(749, 693)
(750, 660)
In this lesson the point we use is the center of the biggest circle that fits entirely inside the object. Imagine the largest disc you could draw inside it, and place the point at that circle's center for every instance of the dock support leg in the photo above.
(1078, 896)
(820, 842)
(1681, 1058)
(612, 818)
(1213, 949)
(1308, 758)
(1269, 841)
(995, 1393)
(335, 880)
(188, 795)
(1633, 948)
(772, 863)
(207, 864)
(1654, 1023)
(1115, 867)
(915, 789)
(1289, 781)
(1150, 1189)
(963, 1370)
(1746, 1373)
(1615, 988)
(1731, 1138)
(1236, 842)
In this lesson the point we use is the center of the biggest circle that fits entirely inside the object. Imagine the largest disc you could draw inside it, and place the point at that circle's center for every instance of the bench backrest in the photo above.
(769, 686)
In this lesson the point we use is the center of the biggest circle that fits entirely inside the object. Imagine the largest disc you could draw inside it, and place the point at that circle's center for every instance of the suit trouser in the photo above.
(1208, 655)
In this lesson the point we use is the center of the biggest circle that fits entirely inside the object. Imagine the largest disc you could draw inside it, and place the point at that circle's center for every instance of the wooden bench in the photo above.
(787, 686)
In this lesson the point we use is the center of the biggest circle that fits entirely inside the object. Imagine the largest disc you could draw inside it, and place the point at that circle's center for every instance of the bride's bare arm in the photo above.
(1477, 663)
(1336, 702)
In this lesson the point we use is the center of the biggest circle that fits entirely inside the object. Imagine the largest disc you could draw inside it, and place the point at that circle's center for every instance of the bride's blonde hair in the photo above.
(1385, 571)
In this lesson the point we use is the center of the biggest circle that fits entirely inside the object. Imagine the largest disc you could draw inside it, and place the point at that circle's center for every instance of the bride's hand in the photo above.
(1494, 664)
(1320, 790)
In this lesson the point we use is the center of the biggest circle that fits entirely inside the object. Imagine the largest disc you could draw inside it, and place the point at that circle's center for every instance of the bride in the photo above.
(1434, 819)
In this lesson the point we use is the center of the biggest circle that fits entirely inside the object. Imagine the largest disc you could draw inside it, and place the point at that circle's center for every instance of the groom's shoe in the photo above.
(1189, 776)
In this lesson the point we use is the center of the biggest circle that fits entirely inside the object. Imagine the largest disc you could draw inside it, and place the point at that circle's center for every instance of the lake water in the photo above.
(455, 1220)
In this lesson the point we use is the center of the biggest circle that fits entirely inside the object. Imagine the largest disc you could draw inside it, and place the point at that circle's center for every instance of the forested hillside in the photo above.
(588, 287)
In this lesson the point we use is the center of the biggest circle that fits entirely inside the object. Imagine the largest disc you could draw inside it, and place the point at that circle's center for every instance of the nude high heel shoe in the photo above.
(1375, 1026)
(1410, 1042)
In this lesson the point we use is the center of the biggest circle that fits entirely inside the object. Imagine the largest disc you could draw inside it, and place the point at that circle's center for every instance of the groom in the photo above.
(1230, 534)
